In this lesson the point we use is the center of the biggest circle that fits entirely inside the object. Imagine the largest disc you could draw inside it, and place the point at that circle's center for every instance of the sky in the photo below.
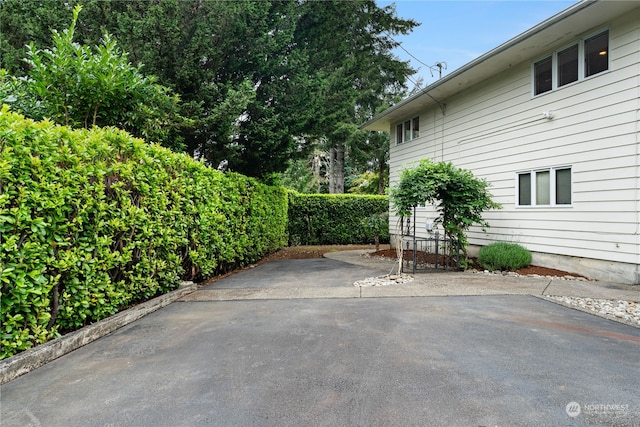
(455, 32)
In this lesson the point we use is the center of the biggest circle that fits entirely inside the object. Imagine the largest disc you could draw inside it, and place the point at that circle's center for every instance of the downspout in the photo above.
(637, 231)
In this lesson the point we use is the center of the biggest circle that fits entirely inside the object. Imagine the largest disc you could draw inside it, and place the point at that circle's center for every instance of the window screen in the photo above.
(542, 188)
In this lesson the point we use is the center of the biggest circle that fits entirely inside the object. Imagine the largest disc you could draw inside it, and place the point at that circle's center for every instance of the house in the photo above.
(551, 119)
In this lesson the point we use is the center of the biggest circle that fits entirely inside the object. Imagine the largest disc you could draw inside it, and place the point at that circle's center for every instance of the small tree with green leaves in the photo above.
(80, 86)
(375, 225)
(460, 196)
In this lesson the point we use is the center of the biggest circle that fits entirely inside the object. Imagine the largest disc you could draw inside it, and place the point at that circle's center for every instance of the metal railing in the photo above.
(431, 252)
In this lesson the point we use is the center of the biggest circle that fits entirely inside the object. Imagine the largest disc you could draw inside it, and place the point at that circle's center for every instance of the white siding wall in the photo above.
(496, 129)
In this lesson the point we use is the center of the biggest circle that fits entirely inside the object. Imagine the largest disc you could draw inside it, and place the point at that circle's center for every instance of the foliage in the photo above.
(14, 91)
(357, 74)
(503, 256)
(97, 87)
(301, 176)
(369, 155)
(258, 79)
(461, 197)
(377, 225)
(92, 221)
(325, 219)
(366, 183)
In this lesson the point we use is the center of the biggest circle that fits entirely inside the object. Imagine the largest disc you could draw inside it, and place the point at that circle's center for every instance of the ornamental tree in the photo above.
(460, 196)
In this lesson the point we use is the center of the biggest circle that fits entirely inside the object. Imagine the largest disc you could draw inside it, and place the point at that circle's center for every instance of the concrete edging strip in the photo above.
(42, 354)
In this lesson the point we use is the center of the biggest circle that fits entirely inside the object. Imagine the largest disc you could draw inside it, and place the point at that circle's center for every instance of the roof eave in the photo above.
(447, 85)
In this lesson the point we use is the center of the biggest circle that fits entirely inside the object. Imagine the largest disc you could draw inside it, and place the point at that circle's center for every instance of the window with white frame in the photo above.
(408, 130)
(544, 187)
(582, 59)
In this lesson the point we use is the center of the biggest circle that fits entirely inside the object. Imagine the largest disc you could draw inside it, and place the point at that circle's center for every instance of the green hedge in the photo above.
(92, 222)
(334, 219)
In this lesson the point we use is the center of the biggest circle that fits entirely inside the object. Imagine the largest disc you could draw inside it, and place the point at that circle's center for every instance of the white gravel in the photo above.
(387, 280)
(620, 310)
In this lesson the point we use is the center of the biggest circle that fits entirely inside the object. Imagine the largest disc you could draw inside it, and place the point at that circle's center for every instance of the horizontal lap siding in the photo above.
(496, 129)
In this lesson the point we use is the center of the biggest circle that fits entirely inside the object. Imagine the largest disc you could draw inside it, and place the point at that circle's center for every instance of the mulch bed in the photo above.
(424, 258)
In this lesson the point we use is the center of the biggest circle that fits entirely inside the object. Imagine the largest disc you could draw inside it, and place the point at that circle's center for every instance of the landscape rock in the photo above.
(627, 311)
(387, 280)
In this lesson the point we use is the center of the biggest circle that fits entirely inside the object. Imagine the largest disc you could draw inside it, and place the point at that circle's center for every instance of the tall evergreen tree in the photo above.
(258, 78)
(350, 45)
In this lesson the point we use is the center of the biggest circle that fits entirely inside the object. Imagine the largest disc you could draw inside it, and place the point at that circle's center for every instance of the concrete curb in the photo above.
(40, 355)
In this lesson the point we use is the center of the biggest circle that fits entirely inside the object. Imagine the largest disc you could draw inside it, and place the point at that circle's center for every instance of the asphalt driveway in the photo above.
(341, 361)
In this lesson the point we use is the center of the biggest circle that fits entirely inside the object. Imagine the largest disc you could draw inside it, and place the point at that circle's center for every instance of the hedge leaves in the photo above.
(92, 221)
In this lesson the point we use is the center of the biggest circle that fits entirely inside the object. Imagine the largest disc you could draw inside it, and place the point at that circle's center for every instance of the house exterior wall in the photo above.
(497, 129)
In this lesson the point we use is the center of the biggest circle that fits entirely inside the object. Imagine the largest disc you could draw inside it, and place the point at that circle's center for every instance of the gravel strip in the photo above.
(387, 280)
(622, 311)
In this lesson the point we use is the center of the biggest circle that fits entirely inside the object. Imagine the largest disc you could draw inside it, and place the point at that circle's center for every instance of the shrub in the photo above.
(503, 256)
(334, 219)
(461, 197)
(375, 225)
(93, 221)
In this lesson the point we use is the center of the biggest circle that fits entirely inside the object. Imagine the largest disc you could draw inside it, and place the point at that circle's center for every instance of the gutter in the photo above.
(571, 10)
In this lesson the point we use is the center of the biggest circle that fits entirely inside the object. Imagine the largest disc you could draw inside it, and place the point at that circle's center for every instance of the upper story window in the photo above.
(408, 130)
(582, 59)
(544, 187)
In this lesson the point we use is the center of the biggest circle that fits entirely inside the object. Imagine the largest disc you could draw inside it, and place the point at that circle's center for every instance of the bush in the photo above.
(93, 221)
(503, 256)
(334, 219)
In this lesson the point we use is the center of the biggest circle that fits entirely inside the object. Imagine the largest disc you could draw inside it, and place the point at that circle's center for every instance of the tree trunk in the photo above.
(339, 185)
(381, 176)
(332, 181)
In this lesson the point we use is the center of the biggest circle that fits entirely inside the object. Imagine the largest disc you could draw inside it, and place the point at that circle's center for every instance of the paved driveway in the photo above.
(405, 361)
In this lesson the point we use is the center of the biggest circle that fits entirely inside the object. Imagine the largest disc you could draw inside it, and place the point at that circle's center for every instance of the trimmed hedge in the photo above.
(503, 256)
(92, 222)
(334, 219)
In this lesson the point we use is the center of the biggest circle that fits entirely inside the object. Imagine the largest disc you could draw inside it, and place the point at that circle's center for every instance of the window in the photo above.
(568, 66)
(408, 130)
(545, 187)
(415, 124)
(578, 61)
(543, 73)
(524, 189)
(596, 54)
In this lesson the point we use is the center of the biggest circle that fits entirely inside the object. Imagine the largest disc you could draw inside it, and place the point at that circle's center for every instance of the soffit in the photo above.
(563, 28)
